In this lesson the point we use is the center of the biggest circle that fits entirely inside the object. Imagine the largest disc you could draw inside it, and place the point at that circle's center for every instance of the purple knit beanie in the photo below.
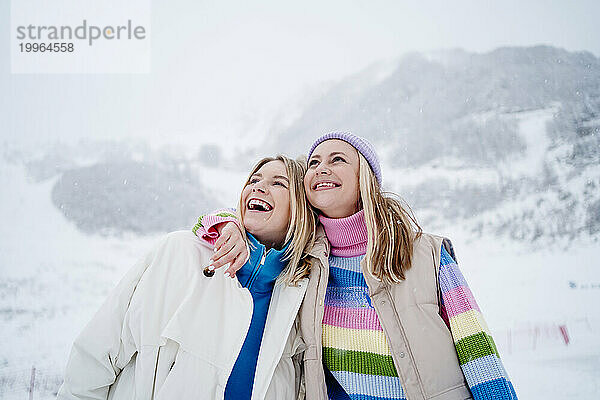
(362, 145)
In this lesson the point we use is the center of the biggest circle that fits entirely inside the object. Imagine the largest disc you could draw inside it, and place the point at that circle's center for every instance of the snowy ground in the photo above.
(53, 277)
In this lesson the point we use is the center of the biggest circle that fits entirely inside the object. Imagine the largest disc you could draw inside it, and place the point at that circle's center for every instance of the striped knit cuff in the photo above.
(206, 229)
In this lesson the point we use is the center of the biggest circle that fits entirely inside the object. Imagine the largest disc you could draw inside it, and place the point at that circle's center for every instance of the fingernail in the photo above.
(211, 267)
(226, 273)
(214, 249)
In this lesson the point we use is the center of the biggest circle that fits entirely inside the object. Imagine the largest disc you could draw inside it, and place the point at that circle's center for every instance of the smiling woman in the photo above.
(170, 331)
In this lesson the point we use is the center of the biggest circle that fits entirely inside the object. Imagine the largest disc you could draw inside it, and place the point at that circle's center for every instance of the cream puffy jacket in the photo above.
(169, 332)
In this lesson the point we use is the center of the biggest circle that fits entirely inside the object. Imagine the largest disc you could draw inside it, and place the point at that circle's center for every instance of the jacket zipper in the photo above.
(257, 269)
(238, 346)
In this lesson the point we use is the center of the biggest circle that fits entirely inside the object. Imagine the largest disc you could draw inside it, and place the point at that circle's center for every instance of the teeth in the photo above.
(325, 184)
(262, 205)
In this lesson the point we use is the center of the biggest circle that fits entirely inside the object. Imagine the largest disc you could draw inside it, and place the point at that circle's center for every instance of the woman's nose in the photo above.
(322, 169)
(258, 187)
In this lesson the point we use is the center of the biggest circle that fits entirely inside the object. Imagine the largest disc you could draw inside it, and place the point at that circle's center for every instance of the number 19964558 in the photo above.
(46, 47)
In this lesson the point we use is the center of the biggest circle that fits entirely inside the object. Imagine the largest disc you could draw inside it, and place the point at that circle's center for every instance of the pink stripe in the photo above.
(209, 221)
(350, 251)
(352, 318)
(208, 231)
(459, 300)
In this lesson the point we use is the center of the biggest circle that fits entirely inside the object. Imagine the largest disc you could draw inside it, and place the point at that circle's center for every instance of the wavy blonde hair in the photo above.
(391, 225)
(302, 226)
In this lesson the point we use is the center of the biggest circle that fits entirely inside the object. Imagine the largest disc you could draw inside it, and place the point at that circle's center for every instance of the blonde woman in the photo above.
(387, 313)
(174, 329)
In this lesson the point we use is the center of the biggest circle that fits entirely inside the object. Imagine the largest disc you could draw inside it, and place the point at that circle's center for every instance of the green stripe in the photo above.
(475, 346)
(360, 362)
(226, 214)
(221, 214)
(198, 224)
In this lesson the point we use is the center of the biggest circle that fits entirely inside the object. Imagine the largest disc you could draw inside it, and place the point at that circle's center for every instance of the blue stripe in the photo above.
(349, 263)
(343, 278)
(367, 397)
(450, 277)
(445, 257)
(334, 390)
(498, 389)
(360, 386)
(483, 369)
(357, 297)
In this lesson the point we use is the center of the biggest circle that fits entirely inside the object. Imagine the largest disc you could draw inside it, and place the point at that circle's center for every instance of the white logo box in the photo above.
(80, 36)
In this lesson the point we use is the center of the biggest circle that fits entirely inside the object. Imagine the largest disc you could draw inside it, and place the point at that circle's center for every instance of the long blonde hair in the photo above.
(302, 226)
(391, 225)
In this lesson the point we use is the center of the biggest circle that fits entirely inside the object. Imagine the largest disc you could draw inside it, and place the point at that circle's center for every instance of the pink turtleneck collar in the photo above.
(348, 236)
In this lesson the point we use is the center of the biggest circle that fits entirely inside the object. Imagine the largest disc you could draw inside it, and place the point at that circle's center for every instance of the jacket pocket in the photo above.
(124, 385)
(458, 392)
(190, 377)
(167, 356)
(285, 382)
(311, 353)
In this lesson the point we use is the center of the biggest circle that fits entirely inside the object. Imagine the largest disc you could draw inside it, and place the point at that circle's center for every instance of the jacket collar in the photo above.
(321, 246)
(261, 277)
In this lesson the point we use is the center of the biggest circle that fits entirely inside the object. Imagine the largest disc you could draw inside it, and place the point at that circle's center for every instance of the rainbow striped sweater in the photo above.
(357, 360)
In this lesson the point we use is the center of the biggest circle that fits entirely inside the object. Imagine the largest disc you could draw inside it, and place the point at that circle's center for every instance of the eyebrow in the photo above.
(281, 177)
(330, 154)
(274, 177)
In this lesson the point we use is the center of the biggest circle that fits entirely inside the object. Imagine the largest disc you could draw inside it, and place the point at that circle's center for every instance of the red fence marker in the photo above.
(564, 333)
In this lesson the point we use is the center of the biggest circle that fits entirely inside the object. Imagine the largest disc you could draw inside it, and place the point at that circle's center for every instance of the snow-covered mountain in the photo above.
(507, 142)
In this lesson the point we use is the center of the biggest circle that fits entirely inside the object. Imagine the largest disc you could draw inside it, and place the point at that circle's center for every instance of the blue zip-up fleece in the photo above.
(258, 275)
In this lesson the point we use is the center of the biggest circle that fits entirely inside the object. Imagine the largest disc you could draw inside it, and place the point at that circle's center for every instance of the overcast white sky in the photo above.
(219, 68)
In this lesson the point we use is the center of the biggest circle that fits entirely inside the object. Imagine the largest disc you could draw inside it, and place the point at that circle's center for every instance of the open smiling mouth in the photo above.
(325, 185)
(259, 205)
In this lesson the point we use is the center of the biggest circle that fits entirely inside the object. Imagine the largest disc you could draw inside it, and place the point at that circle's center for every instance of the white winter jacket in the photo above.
(169, 332)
